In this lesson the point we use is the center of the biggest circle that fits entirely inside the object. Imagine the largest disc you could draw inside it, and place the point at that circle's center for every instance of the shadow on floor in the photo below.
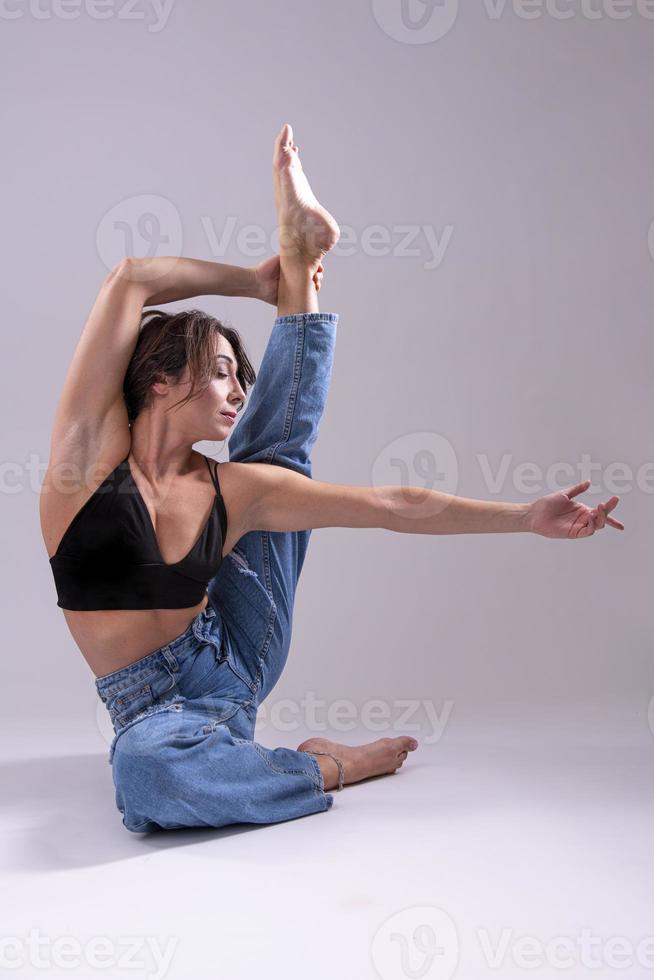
(60, 812)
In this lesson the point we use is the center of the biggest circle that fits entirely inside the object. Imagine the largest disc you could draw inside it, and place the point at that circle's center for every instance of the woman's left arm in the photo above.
(169, 278)
(281, 499)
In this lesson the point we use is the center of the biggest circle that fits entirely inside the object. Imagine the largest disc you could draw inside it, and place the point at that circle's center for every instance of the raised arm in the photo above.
(92, 394)
(279, 499)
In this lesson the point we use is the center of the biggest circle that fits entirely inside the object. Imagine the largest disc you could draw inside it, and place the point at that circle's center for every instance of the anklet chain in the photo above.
(341, 770)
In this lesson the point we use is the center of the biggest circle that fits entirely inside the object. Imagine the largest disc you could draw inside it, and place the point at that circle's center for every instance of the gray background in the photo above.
(532, 141)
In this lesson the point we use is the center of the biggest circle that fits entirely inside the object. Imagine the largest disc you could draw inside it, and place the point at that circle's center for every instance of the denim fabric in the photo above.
(183, 753)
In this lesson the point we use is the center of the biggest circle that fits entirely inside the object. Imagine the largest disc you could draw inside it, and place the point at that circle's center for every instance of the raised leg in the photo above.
(255, 588)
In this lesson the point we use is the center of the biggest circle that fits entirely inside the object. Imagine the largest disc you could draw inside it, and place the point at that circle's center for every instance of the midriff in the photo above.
(113, 638)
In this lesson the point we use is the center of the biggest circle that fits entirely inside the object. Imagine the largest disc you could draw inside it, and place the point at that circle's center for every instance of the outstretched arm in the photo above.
(279, 499)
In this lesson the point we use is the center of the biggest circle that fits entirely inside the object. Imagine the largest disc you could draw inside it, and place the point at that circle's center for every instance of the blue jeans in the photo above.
(183, 752)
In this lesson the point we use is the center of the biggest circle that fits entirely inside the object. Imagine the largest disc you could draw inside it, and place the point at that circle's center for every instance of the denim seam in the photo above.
(319, 775)
(292, 399)
(303, 317)
(251, 572)
(264, 650)
(288, 425)
(290, 772)
(137, 829)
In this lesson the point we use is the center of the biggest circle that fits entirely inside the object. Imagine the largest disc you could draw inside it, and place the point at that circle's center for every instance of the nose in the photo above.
(238, 394)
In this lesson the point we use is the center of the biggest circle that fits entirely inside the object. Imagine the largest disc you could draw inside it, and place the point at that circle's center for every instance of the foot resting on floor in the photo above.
(378, 758)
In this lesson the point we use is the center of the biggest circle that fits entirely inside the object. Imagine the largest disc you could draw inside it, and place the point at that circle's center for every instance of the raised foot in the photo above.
(307, 231)
(378, 758)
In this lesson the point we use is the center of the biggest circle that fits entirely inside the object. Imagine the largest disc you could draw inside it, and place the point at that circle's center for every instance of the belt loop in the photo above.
(170, 658)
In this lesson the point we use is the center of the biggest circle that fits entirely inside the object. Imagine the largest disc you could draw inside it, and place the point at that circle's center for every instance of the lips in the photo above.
(229, 415)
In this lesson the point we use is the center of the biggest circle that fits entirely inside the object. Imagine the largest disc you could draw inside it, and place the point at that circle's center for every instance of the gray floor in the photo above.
(505, 845)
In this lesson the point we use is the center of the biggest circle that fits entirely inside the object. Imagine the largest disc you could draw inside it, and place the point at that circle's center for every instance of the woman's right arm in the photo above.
(93, 386)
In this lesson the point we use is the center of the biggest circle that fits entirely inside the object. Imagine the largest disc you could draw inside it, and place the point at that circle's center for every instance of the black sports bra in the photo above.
(109, 557)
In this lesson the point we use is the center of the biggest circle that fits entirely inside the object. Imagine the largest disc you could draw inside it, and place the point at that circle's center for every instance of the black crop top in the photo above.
(109, 557)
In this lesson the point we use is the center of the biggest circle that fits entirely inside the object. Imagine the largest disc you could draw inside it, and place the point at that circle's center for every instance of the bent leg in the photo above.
(171, 771)
(254, 588)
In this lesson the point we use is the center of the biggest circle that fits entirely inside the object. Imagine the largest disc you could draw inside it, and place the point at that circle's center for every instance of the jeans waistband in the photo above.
(174, 652)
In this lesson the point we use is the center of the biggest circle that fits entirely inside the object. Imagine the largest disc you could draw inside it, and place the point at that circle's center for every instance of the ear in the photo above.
(160, 385)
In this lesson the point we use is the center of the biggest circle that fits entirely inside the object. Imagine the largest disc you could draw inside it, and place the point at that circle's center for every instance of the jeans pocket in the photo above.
(138, 693)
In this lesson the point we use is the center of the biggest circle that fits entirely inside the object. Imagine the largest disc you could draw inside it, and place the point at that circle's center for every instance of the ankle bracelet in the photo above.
(341, 770)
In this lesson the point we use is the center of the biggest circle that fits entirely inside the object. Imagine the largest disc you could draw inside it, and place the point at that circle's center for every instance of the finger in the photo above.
(618, 524)
(611, 504)
(576, 490)
(601, 517)
(589, 528)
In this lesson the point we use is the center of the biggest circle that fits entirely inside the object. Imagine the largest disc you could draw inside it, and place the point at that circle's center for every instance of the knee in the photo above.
(143, 776)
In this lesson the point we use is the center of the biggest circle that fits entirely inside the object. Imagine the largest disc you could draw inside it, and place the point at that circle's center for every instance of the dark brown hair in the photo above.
(167, 343)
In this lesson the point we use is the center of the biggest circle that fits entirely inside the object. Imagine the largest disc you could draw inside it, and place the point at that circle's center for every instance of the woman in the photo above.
(178, 577)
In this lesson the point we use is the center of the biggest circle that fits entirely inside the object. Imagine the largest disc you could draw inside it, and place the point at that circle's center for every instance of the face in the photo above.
(207, 416)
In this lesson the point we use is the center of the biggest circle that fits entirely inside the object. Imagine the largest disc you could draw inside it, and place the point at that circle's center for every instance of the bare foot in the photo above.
(378, 758)
(306, 230)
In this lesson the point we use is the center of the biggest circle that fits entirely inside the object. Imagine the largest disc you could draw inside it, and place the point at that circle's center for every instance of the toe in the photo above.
(284, 139)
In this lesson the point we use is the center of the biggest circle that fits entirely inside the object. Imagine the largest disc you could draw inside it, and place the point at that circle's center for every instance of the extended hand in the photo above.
(559, 516)
(266, 276)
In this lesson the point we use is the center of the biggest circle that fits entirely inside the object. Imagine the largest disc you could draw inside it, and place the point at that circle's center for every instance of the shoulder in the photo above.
(245, 486)
(240, 486)
(243, 481)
